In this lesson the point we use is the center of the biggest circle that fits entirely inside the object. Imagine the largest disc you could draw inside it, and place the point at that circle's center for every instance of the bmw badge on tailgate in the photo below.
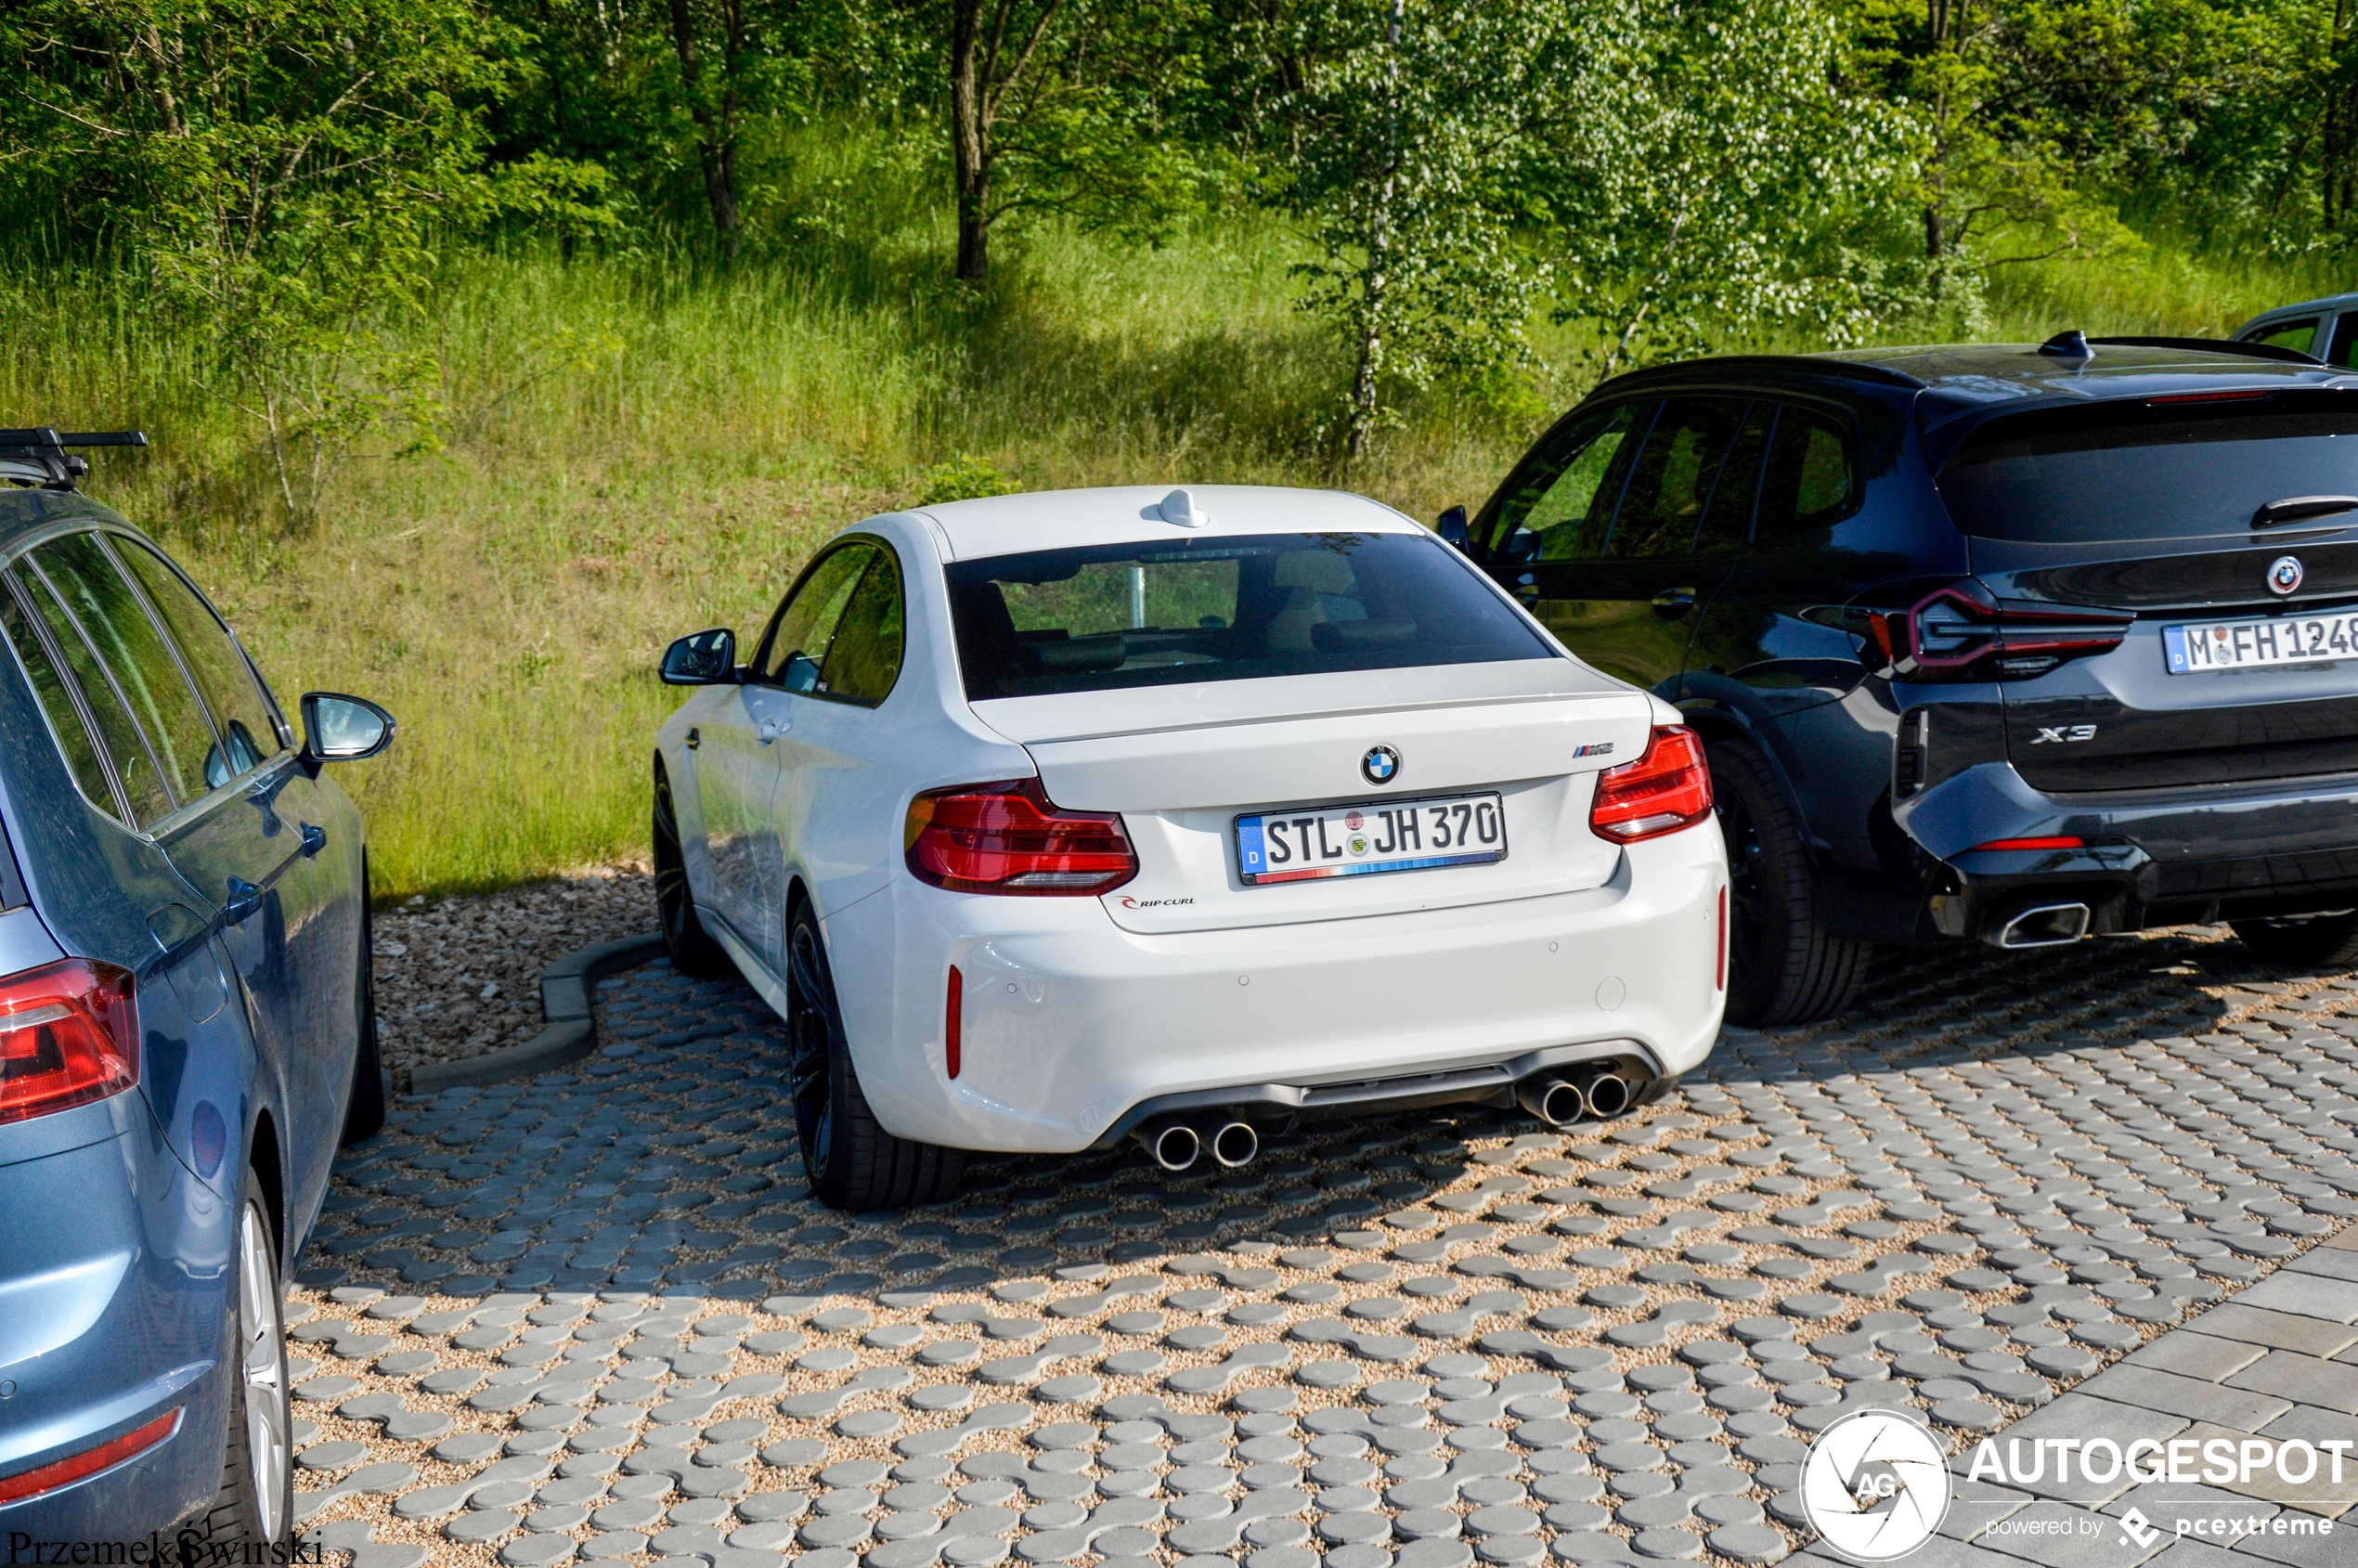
(1381, 766)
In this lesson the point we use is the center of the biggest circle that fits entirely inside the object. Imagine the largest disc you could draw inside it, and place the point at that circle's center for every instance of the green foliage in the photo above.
(279, 171)
(961, 479)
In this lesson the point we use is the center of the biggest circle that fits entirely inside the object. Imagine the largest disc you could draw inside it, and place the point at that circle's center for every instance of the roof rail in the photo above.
(43, 451)
(2216, 345)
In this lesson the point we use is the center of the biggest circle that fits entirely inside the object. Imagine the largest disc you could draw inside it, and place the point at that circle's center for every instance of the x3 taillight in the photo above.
(1011, 839)
(1958, 632)
(1666, 789)
(68, 1036)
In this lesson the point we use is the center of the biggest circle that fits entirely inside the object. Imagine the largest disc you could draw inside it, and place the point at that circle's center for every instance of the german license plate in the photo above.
(1365, 840)
(2207, 645)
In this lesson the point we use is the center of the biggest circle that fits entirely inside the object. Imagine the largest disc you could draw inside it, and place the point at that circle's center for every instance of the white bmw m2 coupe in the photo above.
(1050, 820)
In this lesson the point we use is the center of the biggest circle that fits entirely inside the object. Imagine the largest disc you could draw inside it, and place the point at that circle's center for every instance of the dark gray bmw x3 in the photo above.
(2013, 643)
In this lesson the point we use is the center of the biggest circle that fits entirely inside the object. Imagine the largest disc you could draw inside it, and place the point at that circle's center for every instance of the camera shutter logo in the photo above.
(1875, 1485)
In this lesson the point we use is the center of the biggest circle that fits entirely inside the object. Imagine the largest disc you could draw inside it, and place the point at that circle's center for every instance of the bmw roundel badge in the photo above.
(1381, 766)
(2283, 574)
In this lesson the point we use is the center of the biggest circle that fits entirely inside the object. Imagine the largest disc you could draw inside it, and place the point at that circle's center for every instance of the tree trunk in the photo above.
(715, 134)
(1377, 281)
(969, 141)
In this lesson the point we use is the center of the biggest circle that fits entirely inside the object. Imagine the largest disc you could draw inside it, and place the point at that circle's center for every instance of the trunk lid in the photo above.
(2160, 507)
(1181, 763)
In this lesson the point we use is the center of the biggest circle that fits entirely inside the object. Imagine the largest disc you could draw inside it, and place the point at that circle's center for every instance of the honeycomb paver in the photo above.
(595, 1318)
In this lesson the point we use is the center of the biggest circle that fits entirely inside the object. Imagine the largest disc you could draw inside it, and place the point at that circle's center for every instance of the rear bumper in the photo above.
(2152, 857)
(114, 1300)
(1072, 1025)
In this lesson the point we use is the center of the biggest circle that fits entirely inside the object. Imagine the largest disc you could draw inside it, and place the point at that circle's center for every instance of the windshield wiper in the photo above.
(2299, 509)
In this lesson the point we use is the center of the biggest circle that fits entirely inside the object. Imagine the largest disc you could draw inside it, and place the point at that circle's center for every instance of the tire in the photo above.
(2327, 941)
(853, 1163)
(1783, 966)
(364, 1111)
(692, 952)
(255, 1505)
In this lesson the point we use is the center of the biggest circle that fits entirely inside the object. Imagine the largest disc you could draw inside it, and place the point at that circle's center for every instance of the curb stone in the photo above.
(569, 1034)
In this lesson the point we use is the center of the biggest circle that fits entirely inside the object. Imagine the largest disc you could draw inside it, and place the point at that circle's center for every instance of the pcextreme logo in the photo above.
(1875, 1485)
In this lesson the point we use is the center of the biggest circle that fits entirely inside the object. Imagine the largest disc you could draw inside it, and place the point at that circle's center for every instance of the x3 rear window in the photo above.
(1239, 607)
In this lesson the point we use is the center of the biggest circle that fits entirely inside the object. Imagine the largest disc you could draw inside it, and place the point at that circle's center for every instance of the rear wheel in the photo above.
(2329, 941)
(363, 1112)
(1783, 966)
(255, 1505)
(853, 1163)
(692, 952)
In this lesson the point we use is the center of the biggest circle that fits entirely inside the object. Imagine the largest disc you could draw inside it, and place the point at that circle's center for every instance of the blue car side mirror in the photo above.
(341, 729)
(707, 658)
(1453, 530)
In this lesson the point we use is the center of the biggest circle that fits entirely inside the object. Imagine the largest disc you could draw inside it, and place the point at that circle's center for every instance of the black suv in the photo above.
(2009, 643)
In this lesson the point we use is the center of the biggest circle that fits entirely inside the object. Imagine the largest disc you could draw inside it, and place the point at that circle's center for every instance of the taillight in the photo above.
(1958, 632)
(68, 1036)
(1010, 838)
(1666, 789)
(91, 1462)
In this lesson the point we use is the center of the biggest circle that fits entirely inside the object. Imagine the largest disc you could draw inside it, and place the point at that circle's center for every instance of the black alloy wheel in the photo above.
(2328, 939)
(692, 952)
(853, 1163)
(1784, 968)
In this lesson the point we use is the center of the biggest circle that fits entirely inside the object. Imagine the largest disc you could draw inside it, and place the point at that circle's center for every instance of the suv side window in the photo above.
(59, 707)
(864, 658)
(1812, 476)
(1563, 496)
(135, 764)
(145, 669)
(249, 734)
(1727, 517)
(2345, 343)
(797, 644)
(2295, 335)
(1674, 476)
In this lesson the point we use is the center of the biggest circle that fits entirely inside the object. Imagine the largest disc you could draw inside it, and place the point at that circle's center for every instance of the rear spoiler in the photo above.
(2214, 346)
(39, 456)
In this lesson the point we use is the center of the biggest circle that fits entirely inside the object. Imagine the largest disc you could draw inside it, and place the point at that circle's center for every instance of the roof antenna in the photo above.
(1179, 507)
(2072, 345)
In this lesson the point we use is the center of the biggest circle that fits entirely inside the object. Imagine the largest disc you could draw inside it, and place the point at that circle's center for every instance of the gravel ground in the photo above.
(596, 1316)
(459, 976)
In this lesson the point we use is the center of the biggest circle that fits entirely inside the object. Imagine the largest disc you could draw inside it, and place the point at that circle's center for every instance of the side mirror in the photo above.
(341, 729)
(708, 658)
(1453, 530)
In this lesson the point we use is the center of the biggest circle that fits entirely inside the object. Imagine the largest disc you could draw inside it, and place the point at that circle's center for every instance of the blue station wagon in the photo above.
(186, 1027)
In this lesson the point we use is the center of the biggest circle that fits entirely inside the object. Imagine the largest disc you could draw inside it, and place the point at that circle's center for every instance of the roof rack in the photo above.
(39, 456)
(2215, 345)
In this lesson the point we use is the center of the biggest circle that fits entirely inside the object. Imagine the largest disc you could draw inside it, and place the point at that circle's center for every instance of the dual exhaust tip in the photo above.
(1177, 1142)
(1560, 1101)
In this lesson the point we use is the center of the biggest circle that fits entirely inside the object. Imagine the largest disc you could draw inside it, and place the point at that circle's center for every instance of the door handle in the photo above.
(1673, 602)
(314, 841)
(695, 737)
(244, 898)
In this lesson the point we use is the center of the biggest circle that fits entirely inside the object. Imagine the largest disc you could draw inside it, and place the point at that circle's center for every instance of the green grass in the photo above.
(640, 447)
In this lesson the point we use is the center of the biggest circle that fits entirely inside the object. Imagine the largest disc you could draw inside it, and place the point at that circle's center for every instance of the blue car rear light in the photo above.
(69, 1035)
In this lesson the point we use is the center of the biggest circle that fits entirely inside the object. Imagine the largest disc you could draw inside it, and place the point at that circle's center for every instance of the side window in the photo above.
(1662, 509)
(796, 645)
(2345, 340)
(864, 659)
(57, 701)
(1727, 515)
(227, 682)
(100, 598)
(1563, 497)
(2295, 335)
(134, 763)
(1812, 476)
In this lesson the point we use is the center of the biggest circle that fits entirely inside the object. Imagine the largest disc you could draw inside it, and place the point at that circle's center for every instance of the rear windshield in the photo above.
(1238, 608)
(2151, 471)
